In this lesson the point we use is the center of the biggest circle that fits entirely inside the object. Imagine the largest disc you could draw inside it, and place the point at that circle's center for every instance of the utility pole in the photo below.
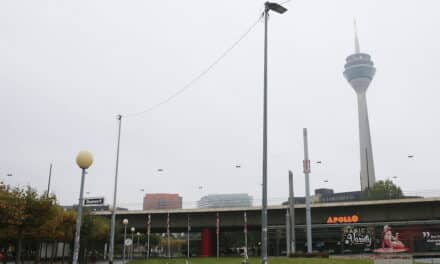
(245, 231)
(50, 176)
(279, 9)
(113, 222)
(188, 238)
(306, 165)
(264, 200)
(148, 235)
(218, 234)
(168, 235)
(288, 240)
(292, 214)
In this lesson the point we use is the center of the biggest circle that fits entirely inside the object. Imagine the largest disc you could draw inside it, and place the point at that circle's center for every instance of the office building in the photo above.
(162, 201)
(225, 200)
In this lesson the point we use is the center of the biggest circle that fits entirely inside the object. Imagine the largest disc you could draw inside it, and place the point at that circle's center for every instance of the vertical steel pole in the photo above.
(113, 222)
(125, 238)
(218, 234)
(78, 220)
(187, 243)
(264, 198)
(306, 165)
(168, 235)
(292, 214)
(148, 246)
(245, 239)
(50, 176)
(288, 241)
(132, 244)
(148, 236)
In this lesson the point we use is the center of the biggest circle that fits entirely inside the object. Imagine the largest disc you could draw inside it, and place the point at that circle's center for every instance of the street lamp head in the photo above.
(132, 229)
(275, 7)
(125, 221)
(138, 234)
(84, 159)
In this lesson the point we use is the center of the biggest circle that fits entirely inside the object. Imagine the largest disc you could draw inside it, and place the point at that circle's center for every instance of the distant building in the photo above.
(329, 196)
(325, 195)
(162, 201)
(225, 200)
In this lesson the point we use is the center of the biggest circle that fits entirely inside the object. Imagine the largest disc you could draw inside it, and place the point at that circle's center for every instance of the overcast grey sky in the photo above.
(68, 67)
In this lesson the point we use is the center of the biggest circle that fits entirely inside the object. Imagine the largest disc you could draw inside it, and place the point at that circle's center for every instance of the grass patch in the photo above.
(253, 261)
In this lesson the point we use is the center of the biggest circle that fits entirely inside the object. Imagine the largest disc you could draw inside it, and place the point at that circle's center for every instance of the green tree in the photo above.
(68, 227)
(383, 190)
(59, 228)
(94, 233)
(22, 214)
(11, 210)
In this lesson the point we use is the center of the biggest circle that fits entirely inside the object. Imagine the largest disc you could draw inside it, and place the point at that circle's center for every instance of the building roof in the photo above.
(275, 207)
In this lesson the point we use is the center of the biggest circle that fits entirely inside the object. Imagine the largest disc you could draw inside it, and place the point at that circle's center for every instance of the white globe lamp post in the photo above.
(84, 159)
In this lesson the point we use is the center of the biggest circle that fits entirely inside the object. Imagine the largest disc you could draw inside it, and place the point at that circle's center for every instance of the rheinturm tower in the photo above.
(359, 72)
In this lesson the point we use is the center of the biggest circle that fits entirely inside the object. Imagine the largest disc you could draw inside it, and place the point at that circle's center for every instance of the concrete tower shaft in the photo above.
(367, 174)
(359, 72)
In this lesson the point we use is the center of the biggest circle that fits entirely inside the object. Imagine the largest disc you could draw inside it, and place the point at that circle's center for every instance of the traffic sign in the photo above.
(94, 201)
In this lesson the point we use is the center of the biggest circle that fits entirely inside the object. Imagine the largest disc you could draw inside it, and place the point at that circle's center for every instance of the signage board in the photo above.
(343, 219)
(94, 201)
(391, 242)
(358, 239)
(429, 240)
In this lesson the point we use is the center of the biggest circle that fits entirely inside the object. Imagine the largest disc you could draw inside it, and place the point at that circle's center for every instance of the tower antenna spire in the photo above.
(356, 39)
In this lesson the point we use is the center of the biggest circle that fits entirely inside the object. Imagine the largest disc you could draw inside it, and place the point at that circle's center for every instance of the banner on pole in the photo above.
(306, 166)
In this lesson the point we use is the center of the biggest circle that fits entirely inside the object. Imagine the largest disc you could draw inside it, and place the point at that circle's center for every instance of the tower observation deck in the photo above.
(359, 72)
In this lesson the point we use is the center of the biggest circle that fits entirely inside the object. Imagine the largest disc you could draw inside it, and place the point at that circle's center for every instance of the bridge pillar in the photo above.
(206, 243)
